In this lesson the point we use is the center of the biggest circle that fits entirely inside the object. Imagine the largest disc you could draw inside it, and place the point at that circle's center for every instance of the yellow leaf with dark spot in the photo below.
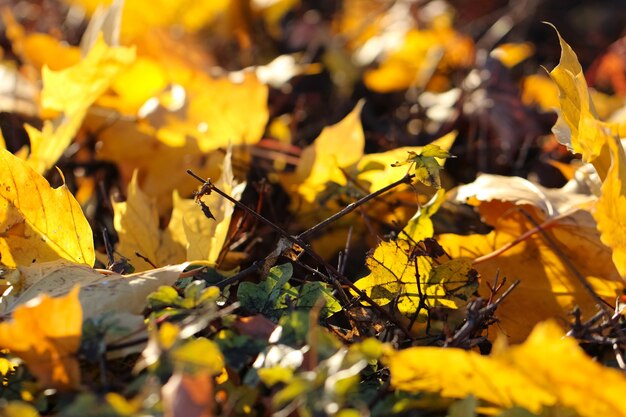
(394, 276)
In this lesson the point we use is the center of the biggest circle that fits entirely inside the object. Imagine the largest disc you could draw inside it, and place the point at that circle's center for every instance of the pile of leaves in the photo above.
(237, 207)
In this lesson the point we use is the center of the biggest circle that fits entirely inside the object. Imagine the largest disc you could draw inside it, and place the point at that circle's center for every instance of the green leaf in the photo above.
(268, 297)
(425, 165)
(464, 408)
(199, 355)
(420, 226)
(165, 296)
(274, 375)
(311, 292)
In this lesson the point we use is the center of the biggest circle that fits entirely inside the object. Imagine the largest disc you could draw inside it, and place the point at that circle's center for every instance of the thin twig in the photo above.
(353, 206)
(538, 228)
(335, 277)
(568, 262)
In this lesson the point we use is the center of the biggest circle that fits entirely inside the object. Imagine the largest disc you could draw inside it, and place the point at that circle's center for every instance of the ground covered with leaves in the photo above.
(297, 208)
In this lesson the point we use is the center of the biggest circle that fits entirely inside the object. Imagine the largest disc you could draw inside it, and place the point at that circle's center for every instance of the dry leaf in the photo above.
(394, 277)
(550, 286)
(45, 333)
(39, 223)
(72, 91)
(137, 224)
(540, 91)
(547, 370)
(132, 149)
(140, 16)
(186, 395)
(338, 147)
(511, 54)
(599, 143)
(99, 294)
(205, 237)
(419, 55)
(551, 201)
(38, 49)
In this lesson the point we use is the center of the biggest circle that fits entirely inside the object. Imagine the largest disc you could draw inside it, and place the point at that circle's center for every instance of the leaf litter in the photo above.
(326, 254)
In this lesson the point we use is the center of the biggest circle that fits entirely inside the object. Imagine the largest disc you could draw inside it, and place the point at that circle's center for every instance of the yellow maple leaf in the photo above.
(39, 223)
(186, 136)
(540, 91)
(72, 91)
(213, 115)
(338, 147)
(204, 238)
(599, 143)
(530, 375)
(132, 148)
(45, 333)
(394, 276)
(190, 235)
(137, 224)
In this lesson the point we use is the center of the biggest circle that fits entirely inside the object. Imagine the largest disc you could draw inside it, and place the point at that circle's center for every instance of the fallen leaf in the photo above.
(141, 15)
(511, 54)
(72, 91)
(394, 277)
(186, 395)
(137, 223)
(125, 143)
(40, 223)
(419, 55)
(552, 202)
(550, 278)
(338, 147)
(599, 143)
(530, 375)
(99, 294)
(205, 237)
(45, 333)
(38, 49)
(539, 90)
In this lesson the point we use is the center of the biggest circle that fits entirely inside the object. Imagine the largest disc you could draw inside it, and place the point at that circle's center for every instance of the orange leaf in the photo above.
(186, 395)
(45, 333)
